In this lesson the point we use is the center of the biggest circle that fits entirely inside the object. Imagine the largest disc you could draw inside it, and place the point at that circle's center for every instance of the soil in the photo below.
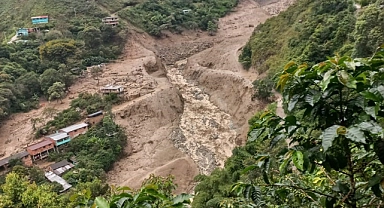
(187, 99)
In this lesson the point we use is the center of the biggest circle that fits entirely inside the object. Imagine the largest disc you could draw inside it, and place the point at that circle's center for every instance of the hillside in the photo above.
(311, 30)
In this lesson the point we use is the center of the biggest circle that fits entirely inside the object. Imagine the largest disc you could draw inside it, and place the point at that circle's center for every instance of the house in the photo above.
(186, 11)
(112, 89)
(94, 118)
(24, 156)
(110, 21)
(75, 130)
(41, 149)
(40, 19)
(22, 32)
(60, 167)
(51, 176)
(59, 138)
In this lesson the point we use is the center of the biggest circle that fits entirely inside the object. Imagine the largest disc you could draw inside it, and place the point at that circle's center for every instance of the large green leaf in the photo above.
(355, 134)
(326, 79)
(182, 198)
(328, 136)
(101, 202)
(346, 79)
(298, 160)
(292, 102)
(371, 127)
(313, 97)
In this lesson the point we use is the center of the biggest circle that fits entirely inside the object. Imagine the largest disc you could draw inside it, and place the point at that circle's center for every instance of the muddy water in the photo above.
(205, 132)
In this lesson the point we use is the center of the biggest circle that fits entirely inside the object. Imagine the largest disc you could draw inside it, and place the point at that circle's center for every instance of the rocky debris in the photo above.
(177, 52)
(203, 126)
(274, 7)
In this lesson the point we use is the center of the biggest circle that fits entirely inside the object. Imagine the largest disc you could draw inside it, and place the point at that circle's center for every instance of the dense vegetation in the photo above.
(154, 16)
(311, 30)
(334, 130)
(73, 39)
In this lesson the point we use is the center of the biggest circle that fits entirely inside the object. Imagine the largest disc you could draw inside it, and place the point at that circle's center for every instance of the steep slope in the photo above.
(311, 30)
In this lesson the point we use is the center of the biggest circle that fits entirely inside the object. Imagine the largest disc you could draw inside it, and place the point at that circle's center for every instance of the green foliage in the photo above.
(305, 32)
(154, 16)
(96, 151)
(334, 130)
(153, 193)
(56, 91)
(263, 88)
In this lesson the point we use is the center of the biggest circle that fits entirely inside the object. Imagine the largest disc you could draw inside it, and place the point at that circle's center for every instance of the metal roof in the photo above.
(59, 164)
(74, 127)
(40, 144)
(55, 178)
(39, 17)
(58, 136)
(111, 87)
(95, 114)
(15, 156)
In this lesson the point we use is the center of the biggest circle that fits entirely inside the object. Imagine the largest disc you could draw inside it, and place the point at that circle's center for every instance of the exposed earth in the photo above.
(187, 99)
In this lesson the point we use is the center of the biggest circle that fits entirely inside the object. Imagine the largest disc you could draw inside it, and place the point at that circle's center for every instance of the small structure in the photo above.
(59, 138)
(112, 89)
(113, 21)
(60, 167)
(94, 118)
(24, 156)
(22, 32)
(51, 176)
(40, 20)
(186, 11)
(41, 149)
(75, 130)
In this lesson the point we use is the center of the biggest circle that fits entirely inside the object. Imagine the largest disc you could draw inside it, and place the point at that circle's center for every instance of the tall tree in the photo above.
(56, 91)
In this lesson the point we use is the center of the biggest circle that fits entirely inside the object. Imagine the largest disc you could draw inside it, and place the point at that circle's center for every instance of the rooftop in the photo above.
(58, 136)
(15, 156)
(111, 87)
(39, 17)
(74, 127)
(55, 178)
(60, 164)
(95, 114)
(40, 144)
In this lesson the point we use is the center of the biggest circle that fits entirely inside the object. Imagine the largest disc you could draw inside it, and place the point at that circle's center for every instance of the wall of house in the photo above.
(94, 120)
(42, 149)
(76, 133)
(27, 160)
(64, 141)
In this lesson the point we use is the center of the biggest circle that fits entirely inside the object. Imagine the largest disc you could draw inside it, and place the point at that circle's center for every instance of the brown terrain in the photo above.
(188, 99)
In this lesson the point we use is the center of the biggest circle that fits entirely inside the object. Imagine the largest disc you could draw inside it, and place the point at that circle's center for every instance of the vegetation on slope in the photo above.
(76, 39)
(334, 127)
(154, 16)
(310, 30)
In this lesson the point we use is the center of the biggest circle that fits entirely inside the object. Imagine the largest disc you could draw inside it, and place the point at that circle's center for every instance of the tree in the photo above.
(155, 192)
(58, 50)
(212, 28)
(92, 37)
(14, 187)
(334, 129)
(49, 77)
(96, 72)
(29, 84)
(56, 91)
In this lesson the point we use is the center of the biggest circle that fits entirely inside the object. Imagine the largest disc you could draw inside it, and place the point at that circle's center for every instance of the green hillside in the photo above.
(311, 30)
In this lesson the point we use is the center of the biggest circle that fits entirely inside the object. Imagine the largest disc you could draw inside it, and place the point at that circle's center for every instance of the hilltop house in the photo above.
(112, 89)
(75, 130)
(113, 21)
(59, 138)
(41, 149)
(40, 20)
